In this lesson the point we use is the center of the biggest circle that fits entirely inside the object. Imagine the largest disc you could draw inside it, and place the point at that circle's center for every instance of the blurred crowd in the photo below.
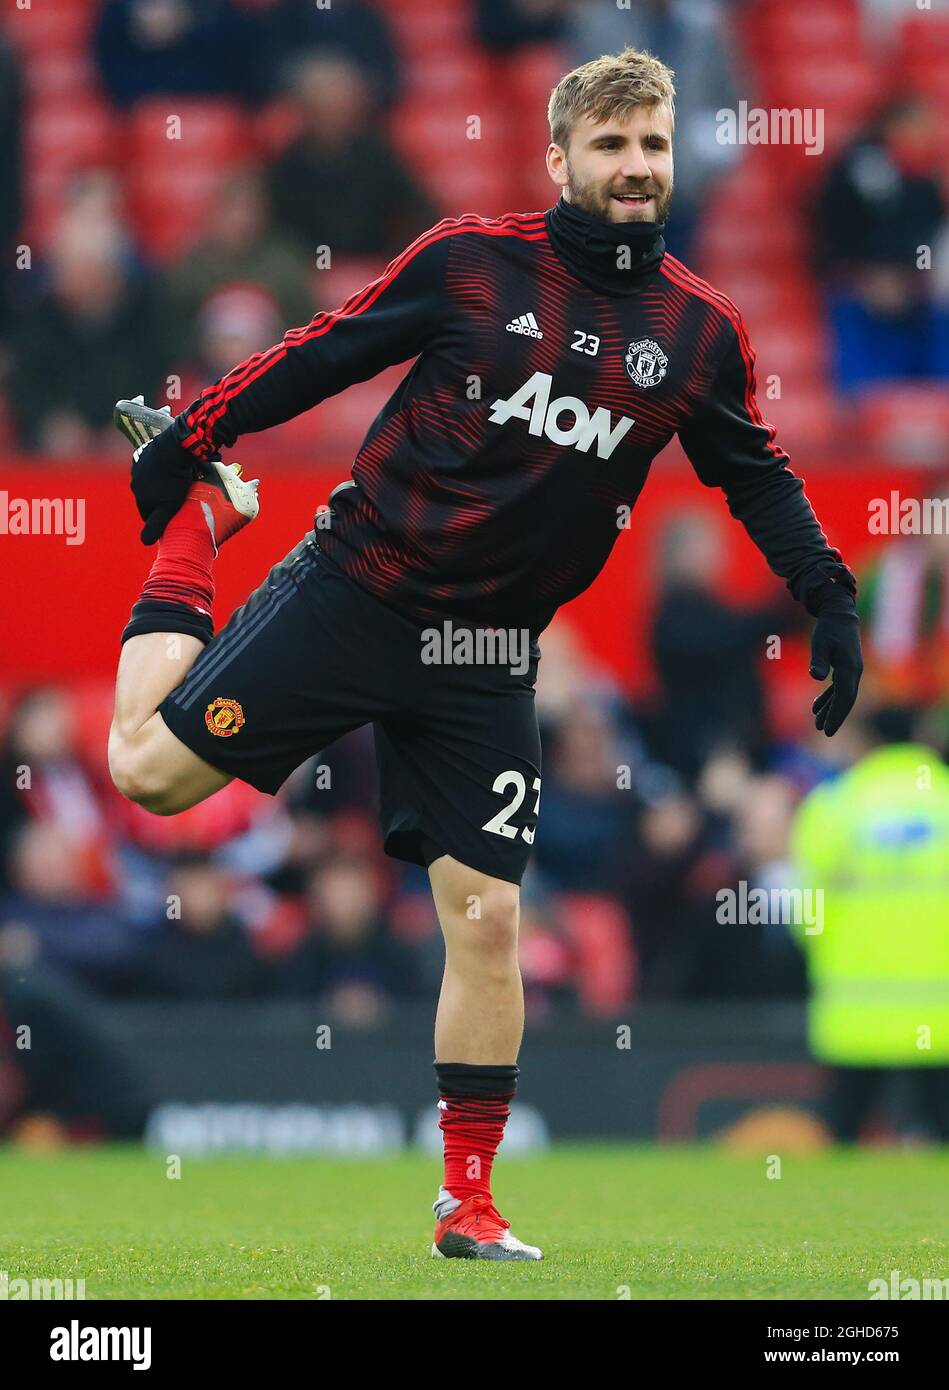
(650, 808)
(316, 141)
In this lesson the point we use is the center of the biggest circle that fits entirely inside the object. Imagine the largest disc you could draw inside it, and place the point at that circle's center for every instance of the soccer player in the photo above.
(556, 353)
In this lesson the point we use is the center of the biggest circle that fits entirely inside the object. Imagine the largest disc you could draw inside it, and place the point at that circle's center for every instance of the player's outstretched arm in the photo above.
(388, 321)
(731, 447)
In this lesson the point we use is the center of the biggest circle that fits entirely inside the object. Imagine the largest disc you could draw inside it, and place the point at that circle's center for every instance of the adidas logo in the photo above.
(525, 324)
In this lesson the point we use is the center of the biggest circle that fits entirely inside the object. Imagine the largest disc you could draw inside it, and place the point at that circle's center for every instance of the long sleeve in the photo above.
(390, 320)
(731, 447)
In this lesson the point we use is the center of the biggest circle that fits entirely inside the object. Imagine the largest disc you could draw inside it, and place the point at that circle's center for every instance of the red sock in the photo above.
(182, 573)
(473, 1129)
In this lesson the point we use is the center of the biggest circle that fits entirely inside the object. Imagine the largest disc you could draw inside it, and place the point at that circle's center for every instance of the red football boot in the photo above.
(229, 504)
(475, 1230)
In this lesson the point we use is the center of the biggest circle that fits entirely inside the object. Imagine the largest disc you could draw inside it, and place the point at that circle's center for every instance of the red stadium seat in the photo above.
(64, 135)
(210, 131)
(752, 221)
(805, 416)
(924, 35)
(607, 968)
(59, 75)
(909, 423)
(462, 73)
(803, 28)
(792, 349)
(173, 182)
(462, 174)
(857, 86)
(763, 293)
(274, 127)
(62, 27)
(170, 206)
(62, 138)
(426, 26)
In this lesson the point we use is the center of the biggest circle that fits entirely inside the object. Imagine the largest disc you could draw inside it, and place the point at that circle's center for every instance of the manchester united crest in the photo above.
(224, 717)
(646, 362)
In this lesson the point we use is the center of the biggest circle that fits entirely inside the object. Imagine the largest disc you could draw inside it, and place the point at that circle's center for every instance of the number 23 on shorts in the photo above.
(499, 824)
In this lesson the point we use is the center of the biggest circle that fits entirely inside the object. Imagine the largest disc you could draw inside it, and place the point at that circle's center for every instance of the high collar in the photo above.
(591, 248)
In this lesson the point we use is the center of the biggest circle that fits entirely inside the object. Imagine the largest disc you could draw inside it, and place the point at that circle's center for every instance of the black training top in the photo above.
(556, 355)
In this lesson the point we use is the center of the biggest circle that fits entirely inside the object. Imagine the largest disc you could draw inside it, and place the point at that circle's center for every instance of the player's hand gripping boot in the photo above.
(475, 1230)
(228, 502)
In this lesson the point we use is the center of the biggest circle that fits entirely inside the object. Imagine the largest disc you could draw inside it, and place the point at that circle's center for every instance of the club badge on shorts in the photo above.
(223, 717)
(646, 362)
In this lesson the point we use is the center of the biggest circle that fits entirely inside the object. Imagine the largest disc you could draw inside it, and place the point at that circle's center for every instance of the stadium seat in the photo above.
(908, 423)
(211, 131)
(173, 182)
(62, 27)
(857, 85)
(61, 139)
(805, 416)
(924, 35)
(427, 26)
(461, 174)
(59, 75)
(66, 134)
(607, 969)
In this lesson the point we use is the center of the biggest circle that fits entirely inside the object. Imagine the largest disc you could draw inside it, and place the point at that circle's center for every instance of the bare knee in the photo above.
(479, 916)
(496, 917)
(140, 774)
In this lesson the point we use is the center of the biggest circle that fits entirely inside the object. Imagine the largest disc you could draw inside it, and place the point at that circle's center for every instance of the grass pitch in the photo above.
(643, 1223)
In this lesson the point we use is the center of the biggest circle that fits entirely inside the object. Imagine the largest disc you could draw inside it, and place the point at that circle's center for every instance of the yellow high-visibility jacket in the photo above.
(876, 842)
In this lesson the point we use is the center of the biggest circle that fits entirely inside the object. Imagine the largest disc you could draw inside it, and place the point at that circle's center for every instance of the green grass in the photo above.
(672, 1223)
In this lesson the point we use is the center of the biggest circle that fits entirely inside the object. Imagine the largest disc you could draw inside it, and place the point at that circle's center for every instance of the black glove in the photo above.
(835, 646)
(162, 473)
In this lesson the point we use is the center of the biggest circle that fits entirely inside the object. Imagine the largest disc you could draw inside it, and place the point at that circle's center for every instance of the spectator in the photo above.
(587, 810)
(354, 31)
(376, 205)
(49, 898)
(238, 248)
(208, 48)
(93, 327)
(11, 169)
(43, 777)
(706, 654)
(669, 884)
(349, 958)
(903, 600)
(504, 25)
(548, 957)
(770, 956)
(200, 950)
(880, 204)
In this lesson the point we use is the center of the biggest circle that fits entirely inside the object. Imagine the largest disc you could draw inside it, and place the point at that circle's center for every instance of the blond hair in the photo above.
(609, 87)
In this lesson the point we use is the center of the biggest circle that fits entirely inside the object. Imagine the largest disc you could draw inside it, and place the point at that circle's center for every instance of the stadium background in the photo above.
(151, 264)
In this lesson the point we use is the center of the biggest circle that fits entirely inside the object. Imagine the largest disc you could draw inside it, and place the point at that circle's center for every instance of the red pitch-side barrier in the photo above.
(64, 605)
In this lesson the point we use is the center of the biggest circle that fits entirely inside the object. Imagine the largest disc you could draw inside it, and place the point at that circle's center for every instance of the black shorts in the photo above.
(311, 656)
